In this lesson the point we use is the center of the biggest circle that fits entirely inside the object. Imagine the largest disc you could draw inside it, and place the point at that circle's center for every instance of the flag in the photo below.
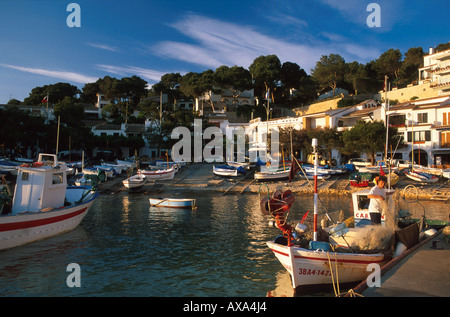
(295, 168)
(382, 173)
(45, 99)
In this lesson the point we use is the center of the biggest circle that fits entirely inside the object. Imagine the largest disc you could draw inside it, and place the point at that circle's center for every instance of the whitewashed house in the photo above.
(426, 124)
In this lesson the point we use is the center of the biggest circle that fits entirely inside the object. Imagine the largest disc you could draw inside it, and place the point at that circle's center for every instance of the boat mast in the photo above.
(386, 104)
(316, 162)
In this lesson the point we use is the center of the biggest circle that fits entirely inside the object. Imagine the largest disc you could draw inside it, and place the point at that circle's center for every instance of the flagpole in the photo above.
(316, 161)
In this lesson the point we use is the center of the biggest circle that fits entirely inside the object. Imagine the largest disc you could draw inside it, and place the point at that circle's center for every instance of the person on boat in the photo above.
(5, 196)
(377, 197)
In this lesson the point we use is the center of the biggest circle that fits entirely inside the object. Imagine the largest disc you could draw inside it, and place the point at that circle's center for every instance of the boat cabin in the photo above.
(40, 185)
(361, 208)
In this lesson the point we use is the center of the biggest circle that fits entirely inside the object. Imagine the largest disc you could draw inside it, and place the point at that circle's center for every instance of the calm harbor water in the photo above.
(126, 248)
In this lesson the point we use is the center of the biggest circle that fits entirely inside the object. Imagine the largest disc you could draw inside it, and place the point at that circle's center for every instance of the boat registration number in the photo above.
(303, 271)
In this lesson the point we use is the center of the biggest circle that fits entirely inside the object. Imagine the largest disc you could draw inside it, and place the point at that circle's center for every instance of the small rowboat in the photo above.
(158, 174)
(173, 202)
(421, 177)
(134, 182)
(227, 171)
(271, 176)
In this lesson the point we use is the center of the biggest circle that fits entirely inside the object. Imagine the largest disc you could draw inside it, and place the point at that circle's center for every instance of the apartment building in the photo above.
(425, 127)
(436, 71)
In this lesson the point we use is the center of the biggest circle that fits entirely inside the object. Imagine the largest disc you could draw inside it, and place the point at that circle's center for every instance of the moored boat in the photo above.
(313, 261)
(134, 182)
(42, 205)
(164, 174)
(446, 173)
(271, 175)
(358, 179)
(421, 177)
(227, 170)
(173, 202)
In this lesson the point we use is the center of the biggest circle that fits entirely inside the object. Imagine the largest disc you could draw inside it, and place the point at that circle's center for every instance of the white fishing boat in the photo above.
(315, 263)
(246, 165)
(173, 202)
(311, 176)
(126, 163)
(421, 177)
(118, 168)
(271, 175)
(446, 173)
(42, 205)
(109, 171)
(163, 174)
(8, 166)
(320, 266)
(376, 169)
(134, 182)
(227, 171)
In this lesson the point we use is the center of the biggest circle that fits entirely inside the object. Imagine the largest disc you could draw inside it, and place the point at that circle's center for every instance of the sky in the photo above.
(47, 41)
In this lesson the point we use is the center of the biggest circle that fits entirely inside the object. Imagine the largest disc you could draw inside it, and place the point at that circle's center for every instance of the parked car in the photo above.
(359, 162)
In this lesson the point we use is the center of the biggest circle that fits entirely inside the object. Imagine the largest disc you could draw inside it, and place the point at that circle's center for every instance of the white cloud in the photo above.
(222, 43)
(69, 76)
(104, 47)
(144, 73)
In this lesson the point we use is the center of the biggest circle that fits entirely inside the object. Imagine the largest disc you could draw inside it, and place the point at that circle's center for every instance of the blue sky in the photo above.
(152, 38)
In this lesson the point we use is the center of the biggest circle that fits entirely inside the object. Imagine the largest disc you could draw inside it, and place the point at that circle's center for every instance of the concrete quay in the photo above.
(422, 271)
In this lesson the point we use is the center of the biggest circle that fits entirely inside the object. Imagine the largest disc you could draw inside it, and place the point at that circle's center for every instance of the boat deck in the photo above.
(423, 272)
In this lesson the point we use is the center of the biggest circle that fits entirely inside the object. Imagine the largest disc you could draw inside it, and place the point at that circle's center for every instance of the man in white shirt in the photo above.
(377, 197)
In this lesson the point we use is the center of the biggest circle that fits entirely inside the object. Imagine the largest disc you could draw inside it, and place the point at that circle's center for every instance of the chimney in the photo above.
(431, 50)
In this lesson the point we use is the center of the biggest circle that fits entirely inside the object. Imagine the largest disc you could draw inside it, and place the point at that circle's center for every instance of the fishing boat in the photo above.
(128, 163)
(173, 202)
(271, 175)
(446, 173)
(43, 205)
(227, 170)
(360, 179)
(134, 182)
(118, 168)
(421, 177)
(246, 165)
(8, 166)
(163, 174)
(314, 263)
(311, 176)
(376, 169)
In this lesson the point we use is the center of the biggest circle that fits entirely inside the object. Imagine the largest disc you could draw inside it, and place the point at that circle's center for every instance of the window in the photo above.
(420, 136)
(397, 120)
(445, 139)
(57, 178)
(25, 176)
(446, 118)
(422, 117)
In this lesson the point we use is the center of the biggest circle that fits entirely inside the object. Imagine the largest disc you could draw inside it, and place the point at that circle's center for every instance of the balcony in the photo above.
(441, 70)
(441, 85)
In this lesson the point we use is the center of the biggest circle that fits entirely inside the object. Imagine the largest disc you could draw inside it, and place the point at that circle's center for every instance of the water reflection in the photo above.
(127, 248)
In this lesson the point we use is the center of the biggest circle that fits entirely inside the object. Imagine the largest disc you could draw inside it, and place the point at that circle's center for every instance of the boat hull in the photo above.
(24, 228)
(134, 182)
(158, 174)
(421, 177)
(271, 176)
(172, 202)
(316, 267)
